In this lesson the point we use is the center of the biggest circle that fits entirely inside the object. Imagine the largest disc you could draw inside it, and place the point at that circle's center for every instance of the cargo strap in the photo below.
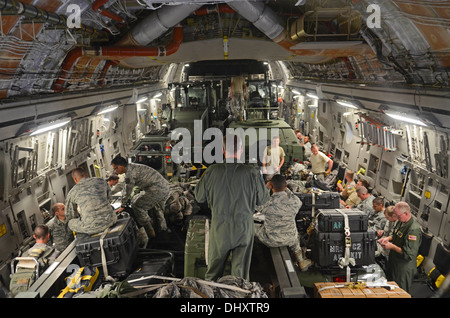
(346, 260)
(105, 268)
(206, 241)
(313, 203)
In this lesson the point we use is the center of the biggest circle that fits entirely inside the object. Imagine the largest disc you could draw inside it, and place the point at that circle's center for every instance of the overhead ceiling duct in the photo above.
(115, 53)
(133, 44)
(267, 21)
(262, 17)
(98, 6)
(157, 23)
(315, 24)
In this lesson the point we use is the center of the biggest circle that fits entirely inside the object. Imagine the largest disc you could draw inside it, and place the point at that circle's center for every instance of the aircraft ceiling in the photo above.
(131, 42)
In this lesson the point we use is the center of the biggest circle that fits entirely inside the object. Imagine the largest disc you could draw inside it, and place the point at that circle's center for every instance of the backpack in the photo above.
(80, 281)
(27, 270)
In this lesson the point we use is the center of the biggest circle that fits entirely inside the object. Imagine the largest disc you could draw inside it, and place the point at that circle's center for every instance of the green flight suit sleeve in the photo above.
(262, 194)
(200, 191)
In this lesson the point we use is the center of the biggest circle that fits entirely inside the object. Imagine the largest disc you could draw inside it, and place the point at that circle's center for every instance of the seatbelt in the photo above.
(105, 268)
(346, 260)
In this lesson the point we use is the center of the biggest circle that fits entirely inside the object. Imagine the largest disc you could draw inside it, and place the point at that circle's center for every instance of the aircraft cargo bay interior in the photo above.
(224, 149)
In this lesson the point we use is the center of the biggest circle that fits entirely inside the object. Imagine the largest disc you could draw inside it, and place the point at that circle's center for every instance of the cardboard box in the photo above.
(333, 290)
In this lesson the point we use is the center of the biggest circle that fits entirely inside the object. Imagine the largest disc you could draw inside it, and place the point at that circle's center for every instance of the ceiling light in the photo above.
(407, 119)
(51, 126)
(142, 99)
(312, 95)
(345, 103)
(157, 95)
(296, 92)
(108, 109)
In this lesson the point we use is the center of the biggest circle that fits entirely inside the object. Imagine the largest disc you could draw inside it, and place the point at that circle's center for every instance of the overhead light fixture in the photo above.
(346, 103)
(51, 126)
(157, 95)
(312, 95)
(108, 109)
(142, 99)
(406, 119)
(296, 92)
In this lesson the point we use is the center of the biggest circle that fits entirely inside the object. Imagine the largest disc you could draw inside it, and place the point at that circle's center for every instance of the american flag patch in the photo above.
(412, 237)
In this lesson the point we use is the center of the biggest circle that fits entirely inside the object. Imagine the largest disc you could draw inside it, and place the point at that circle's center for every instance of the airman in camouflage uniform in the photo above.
(279, 228)
(154, 191)
(87, 204)
(44, 254)
(366, 204)
(376, 219)
(60, 234)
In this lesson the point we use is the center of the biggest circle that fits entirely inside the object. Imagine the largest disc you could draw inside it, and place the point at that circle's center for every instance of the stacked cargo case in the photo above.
(120, 247)
(328, 238)
(195, 248)
(314, 201)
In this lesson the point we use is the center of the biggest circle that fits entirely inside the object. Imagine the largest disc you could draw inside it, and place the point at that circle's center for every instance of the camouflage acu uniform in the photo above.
(279, 228)
(154, 191)
(43, 253)
(91, 196)
(366, 205)
(60, 234)
(377, 220)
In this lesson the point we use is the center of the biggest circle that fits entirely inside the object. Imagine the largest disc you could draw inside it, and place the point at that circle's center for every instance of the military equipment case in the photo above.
(327, 248)
(325, 200)
(120, 246)
(152, 263)
(332, 220)
(194, 252)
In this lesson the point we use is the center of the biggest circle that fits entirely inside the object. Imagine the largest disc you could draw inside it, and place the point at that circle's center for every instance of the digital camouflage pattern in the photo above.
(376, 220)
(60, 234)
(154, 191)
(87, 206)
(279, 228)
(366, 205)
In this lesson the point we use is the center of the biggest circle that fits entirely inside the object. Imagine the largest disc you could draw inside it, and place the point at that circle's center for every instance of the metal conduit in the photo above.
(37, 13)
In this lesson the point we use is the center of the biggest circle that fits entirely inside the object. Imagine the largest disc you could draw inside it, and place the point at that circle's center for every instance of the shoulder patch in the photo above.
(412, 237)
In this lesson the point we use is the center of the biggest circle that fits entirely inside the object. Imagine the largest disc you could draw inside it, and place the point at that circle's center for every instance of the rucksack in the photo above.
(27, 270)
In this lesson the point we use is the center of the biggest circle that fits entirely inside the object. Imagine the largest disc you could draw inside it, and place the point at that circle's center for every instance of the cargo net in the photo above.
(188, 287)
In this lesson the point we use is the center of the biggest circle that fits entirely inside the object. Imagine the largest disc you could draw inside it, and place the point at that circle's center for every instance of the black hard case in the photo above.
(328, 247)
(332, 220)
(324, 200)
(120, 246)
